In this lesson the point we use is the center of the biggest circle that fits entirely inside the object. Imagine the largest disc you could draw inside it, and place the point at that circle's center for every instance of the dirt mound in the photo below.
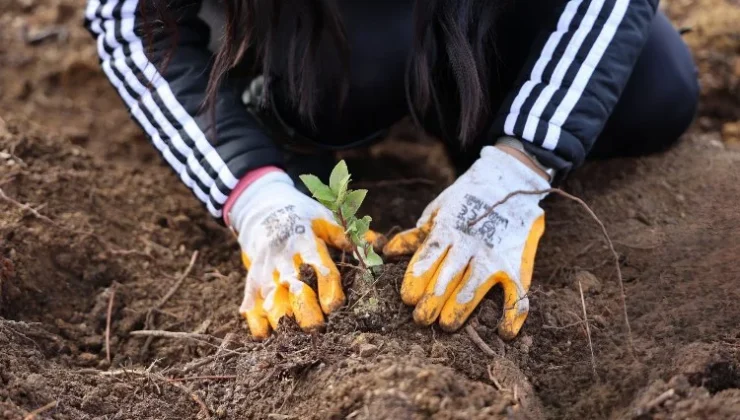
(90, 217)
(677, 399)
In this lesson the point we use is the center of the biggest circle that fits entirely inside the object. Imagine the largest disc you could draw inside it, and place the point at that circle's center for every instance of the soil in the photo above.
(90, 216)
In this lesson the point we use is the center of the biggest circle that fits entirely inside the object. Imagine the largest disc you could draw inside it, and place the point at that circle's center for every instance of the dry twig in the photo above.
(24, 206)
(199, 378)
(223, 352)
(32, 415)
(179, 281)
(196, 398)
(175, 334)
(118, 372)
(171, 292)
(493, 379)
(660, 400)
(108, 321)
(485, 348)
(588, 331)
(609, 242)
(200, 362)
(228, 339)
(113, 250)
(563, 327)
(35, 37)
(263, 380)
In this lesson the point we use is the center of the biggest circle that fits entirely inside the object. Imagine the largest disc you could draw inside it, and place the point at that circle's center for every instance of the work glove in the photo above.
(455, 263)
(279, 229)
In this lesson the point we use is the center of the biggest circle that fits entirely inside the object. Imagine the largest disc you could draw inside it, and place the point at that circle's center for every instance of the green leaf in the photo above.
(337, 177)
(331, 205)
(373, 259)
(362, 225)
(356, 239)
(341, 191)
(352, 226)
(318, 189)
(352, 203)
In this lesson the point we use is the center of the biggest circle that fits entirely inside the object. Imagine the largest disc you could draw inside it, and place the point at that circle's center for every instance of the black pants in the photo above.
(656, 107)
(659, 101)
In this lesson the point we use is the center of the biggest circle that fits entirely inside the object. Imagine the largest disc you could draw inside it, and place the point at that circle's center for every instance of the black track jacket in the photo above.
(565, 64)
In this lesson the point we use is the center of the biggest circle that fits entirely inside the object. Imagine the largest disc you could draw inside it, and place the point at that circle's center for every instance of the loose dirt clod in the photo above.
(176, 383)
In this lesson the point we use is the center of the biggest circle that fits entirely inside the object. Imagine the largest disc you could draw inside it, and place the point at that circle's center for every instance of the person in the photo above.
(241, 96)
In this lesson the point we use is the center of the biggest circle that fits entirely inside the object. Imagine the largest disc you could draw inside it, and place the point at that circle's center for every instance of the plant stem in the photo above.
(357, 246)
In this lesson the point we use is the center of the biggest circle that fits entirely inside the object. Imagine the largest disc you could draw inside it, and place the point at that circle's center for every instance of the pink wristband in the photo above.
(243, 184)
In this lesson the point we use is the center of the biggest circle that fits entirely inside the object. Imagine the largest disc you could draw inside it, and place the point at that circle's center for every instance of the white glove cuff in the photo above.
(261, 186)
(514, 173)
(518, 145)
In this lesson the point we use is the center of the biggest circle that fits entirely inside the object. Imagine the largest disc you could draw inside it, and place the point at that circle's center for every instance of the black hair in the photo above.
(453, 40)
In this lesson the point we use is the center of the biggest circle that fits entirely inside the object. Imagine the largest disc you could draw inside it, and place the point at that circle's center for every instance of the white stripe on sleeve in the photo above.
(120, 61)
(104, 26)
(556, 80)
(544, 59)
(584, 74)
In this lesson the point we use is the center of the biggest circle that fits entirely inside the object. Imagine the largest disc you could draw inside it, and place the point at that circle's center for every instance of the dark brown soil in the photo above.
(91, 213)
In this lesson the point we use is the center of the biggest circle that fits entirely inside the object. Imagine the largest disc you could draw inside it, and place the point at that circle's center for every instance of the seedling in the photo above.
(344, 204)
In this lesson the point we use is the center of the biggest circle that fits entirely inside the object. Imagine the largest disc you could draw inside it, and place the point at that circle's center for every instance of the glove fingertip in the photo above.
(306, 309)
(512, 323)
(422, 316)
(413, 287)
(404, 243)
(330, 233)
(377, 240)
(258, 325)
(330, 304)
(450, 324)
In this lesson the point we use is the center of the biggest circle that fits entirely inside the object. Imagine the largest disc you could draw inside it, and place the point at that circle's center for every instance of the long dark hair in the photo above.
(453, 41)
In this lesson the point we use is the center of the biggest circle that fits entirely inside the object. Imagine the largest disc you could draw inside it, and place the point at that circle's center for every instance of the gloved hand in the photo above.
(280, 228)
(456, 264)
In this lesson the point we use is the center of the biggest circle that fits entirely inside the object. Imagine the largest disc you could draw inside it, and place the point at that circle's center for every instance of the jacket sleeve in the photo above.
(163, 85)
(573, 77)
